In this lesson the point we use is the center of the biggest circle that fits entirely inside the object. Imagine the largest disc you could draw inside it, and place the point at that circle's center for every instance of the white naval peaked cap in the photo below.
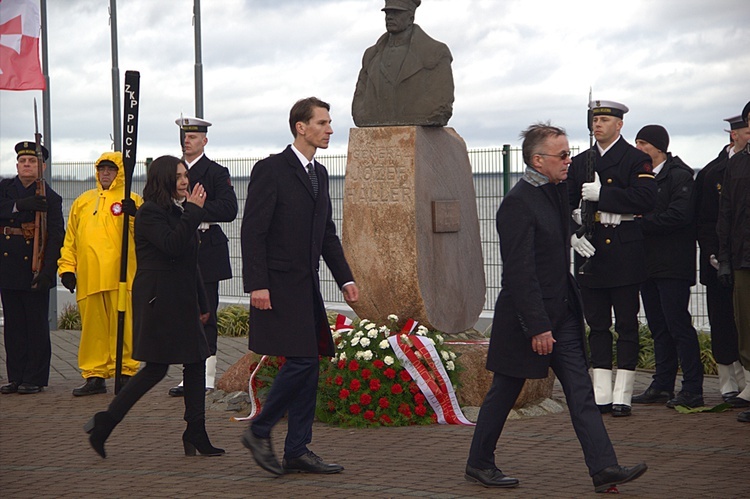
(190, 124)
(608, 108)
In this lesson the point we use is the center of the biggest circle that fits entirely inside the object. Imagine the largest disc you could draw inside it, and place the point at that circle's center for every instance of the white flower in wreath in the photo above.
(388, 360)
(359, 355)
(373, 333)
(383, 330)
(393, 317)
(367, 355)
(453, 356)
(370, 326)
(363, 322)
(359, 334)
(450, 365)
(355, 341)
(439, 338)
(445, 355)
(384, 345)
(341, 345)
(364, 342)
(336, 335)
(342, 356)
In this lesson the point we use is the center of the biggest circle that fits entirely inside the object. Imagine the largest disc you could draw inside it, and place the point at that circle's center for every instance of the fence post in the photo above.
(506, 169)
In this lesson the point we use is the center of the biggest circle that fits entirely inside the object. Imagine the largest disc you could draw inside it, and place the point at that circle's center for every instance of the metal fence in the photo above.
(495, 171)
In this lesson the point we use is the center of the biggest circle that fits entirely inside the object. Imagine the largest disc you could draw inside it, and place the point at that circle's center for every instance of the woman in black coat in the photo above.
(167, 320)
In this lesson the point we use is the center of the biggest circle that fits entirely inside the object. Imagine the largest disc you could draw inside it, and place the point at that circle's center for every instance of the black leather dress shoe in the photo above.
(92, 386)
(28, 388)
(262, 452)
(492, 477)
(653, 396)
(737, 402)
(744, 417)
(310, 463)
(615, 475)
(620, 410)
(11, 387)
(687, 399)
(605, 408)
(177, 391)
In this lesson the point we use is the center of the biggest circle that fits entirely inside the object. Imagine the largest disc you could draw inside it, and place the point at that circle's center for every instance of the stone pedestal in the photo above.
(475, 380)
(410, 230)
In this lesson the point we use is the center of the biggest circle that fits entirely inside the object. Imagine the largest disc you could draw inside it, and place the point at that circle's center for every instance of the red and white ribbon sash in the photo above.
(343, 323)
(255, 405)
(439, 394)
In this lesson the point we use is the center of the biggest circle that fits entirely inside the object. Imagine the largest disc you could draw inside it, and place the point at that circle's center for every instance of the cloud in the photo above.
(683, 64)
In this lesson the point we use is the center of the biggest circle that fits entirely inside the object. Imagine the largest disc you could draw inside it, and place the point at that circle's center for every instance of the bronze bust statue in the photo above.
(406, 77)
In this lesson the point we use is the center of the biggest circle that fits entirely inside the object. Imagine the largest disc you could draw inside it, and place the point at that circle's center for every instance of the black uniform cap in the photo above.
(27, 148)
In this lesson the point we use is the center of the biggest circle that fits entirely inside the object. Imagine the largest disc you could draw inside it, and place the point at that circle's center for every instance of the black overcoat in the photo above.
(733, 226)
(706, 195)
(15, 251)
(166, 308)
(670, 228)
(628, 187)
(220, 206)
(285, 231)
(538, 290)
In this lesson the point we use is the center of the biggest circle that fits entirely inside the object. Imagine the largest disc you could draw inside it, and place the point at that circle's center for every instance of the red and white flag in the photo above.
(19, 45)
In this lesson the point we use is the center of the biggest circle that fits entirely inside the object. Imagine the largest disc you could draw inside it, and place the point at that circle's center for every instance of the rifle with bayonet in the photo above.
(588, 208)
(40, 221)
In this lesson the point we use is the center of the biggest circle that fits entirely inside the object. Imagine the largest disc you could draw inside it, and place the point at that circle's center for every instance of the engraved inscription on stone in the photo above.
(446, 216)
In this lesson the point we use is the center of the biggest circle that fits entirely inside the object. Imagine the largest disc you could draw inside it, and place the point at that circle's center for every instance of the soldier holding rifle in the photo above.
(25, 283)
(621, 188)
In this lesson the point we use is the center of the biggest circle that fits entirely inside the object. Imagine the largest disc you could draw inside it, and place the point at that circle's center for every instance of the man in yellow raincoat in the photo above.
(90, 262)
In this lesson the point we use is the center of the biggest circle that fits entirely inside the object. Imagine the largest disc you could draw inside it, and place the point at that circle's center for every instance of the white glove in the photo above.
(590, 190)
(714, 262)
(612, 219)
(577, 216)
(582, 246)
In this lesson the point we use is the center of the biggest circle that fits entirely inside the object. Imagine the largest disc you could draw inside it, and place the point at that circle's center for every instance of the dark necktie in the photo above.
(313, 178)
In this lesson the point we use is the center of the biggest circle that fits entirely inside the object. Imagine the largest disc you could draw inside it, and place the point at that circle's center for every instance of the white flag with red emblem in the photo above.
(19, 45)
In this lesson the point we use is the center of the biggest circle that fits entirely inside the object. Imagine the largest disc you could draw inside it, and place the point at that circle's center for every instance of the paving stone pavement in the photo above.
(45, 453)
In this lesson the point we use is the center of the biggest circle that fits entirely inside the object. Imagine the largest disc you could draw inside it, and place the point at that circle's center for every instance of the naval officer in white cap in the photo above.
(220, 206)
(623, 188)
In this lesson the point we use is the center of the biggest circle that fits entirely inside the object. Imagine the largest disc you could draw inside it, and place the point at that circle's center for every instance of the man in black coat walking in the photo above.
(25, 297)
(286, 227)
(220, 206)
(538, 320)
(670, 260)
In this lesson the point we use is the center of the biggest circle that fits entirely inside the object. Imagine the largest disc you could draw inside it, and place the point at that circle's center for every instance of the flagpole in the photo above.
(198, 60)
(47, 134)
(116, 117)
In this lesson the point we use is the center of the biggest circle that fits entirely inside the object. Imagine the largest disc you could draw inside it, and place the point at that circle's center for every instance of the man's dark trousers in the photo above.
(294, 390)
(675, 339)
(570, 366)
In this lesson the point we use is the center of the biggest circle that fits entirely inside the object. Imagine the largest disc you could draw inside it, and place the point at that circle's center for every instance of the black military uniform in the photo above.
(617, 268)
(733, 256)
(27, 340)
(213, 254)
(707, 191)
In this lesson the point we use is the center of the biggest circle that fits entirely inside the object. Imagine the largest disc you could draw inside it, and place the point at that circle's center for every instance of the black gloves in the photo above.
(724, 274)
(69, 280)
(41, 282)
(32, 203)
(128, 207)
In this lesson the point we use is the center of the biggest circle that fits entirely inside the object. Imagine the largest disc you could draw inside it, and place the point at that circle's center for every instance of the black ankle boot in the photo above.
(99, 427)
(196, 438)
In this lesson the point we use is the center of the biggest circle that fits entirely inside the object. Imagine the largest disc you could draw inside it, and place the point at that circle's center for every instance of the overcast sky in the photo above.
(684, 64)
